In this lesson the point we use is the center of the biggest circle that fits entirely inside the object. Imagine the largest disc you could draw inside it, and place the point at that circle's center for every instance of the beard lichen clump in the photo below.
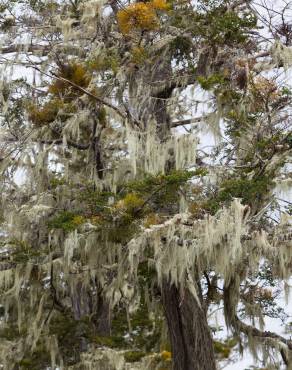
(152, 156)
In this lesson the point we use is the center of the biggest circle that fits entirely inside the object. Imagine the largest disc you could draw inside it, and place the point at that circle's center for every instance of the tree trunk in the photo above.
(103, 318)
(190, 338)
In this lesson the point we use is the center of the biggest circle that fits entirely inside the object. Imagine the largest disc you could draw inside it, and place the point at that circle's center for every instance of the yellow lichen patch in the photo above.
(139, 55)
(142, 16)
(222, 349)
(166, 355)
(130, 203)
(78, 220)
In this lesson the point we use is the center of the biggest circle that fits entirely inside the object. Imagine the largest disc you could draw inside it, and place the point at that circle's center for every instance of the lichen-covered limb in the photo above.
(231, 300)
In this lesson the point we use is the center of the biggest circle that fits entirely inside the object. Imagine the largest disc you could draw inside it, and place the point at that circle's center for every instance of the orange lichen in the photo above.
(45, 114)
(160, 5)
(74, 73)
(152, 219)
(265, 87)
(166, 355)
(142, 16)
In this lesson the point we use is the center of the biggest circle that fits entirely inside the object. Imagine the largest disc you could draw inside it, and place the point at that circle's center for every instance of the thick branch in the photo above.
(69, 142)
(188, 121)
(25, 48)
(251, 330)
(231, 297)
(56, 141)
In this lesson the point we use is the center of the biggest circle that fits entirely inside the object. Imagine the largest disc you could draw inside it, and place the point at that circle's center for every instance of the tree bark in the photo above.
(103, 318)
(190, 338)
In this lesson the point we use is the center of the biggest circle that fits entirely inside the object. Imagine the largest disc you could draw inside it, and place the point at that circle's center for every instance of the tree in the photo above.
(123, 233)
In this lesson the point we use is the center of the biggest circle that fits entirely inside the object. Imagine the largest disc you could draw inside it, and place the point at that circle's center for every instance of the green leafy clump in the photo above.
(134, 356)
(212, 81)
(39, 358)
(238, 121)
(145, 333)
(223, 27)
(57, 181)
(23, 251)
(150, 181)
(70, 334)
(135, 201)
(248, 190)
(286, 91)
(67, 221)
(181, 48)
(223, 349)
(109, 341)
(145, 329)
(231, 98)
(131, 203)
(95, 202)
(101, 116)
(163, 190)
(10, 332)
(215, 24)
(108, 61)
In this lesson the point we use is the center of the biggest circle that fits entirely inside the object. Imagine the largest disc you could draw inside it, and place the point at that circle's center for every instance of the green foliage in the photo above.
(248, 190)
(238, 121)
(181, 48)
(39, 358)
(208, 83)
(134, 356)
(67, 221)
(101, 116)
(95, 202)
(146, 330)
(163, 189)
(23, 252)
(286, 91)
(57, 181)
(120, 215)
(288, 140)
(10, 332)
(145, 333)
(224, 27)
(214, 23)
(110, 341)
(226, 96)
(108, 61)
(70, 333)
(223, 349)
